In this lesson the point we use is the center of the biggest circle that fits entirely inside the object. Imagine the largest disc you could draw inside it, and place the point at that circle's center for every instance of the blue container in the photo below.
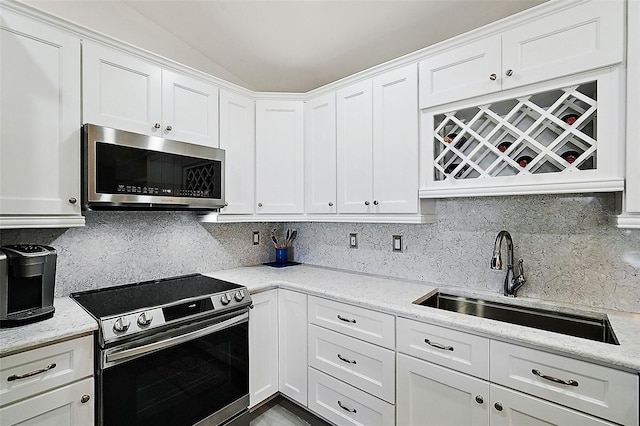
(282, 255)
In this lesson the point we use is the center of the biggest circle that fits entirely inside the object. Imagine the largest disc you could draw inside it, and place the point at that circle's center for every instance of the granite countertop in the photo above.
(69, 321)
(395, 296)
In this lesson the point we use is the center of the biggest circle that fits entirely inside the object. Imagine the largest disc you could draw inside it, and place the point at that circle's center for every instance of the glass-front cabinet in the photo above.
(551, 138)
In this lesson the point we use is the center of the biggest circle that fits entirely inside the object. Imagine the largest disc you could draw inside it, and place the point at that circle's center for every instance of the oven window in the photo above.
(180, 385)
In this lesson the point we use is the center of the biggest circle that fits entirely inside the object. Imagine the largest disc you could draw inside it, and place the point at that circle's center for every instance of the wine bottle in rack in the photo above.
(504, 146)
(451, 136)
(570, 156)
(524, 161)
(570, 119)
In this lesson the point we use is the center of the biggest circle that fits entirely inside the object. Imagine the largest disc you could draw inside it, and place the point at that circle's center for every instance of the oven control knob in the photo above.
(239, 296)
(224, 299)
(145, 319)
(121, 325)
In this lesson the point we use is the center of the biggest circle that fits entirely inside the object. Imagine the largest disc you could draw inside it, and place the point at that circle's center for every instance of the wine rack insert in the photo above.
(549, 132)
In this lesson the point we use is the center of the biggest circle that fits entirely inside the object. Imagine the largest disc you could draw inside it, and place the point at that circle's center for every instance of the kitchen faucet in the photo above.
(511, 284)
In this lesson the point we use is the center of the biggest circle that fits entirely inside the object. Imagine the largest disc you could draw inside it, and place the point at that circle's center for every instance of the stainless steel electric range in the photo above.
(171, 352)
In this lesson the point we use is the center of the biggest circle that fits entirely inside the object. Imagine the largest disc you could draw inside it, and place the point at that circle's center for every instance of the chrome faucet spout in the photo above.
(511, 283)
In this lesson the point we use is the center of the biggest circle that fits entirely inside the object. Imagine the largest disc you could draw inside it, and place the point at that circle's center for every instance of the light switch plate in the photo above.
(353, 240)
(397, 243)
(256, 238)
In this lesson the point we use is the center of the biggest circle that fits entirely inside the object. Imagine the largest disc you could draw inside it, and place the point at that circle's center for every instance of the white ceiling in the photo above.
(298, 45)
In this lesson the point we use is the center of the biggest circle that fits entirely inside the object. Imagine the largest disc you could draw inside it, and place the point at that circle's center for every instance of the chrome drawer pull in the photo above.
(31, 373)
(351, 410)
(555, 379)
(346, 360)
(438, 345)
(341, 318)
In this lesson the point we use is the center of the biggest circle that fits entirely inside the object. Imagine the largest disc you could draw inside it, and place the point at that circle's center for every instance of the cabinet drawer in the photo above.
(345, 405)
(460, 351)
(73, 360)
(364, 324)
(62, 406)
(365, 366)
(594, 389)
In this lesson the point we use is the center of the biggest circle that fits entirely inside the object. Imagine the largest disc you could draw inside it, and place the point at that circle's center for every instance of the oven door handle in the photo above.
(141, 350)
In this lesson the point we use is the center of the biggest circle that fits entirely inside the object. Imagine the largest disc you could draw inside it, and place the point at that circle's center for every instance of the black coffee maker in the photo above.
(27, 281)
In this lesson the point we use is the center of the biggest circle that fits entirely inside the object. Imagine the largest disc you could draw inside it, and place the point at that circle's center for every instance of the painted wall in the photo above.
(571, 253)
(124, 247)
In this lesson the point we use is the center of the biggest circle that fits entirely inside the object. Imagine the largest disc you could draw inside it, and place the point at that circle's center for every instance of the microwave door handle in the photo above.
(173, 341)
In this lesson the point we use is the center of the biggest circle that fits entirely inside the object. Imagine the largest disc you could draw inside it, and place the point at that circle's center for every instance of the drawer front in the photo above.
(363, 365)
(342, 404)
(601, 391)
(73, 360)
(453, 349)
(62, 406)
(371, 326)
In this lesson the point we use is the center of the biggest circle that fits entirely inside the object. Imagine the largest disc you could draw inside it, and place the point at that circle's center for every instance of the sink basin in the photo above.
(596, 327)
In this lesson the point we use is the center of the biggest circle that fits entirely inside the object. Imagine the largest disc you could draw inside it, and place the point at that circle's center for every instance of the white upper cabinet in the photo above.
(128, 93)
(279, 156)
(378, 144)
(580, 37)
(355, 154)
(237, 138)
(39, 125)
(320, 154)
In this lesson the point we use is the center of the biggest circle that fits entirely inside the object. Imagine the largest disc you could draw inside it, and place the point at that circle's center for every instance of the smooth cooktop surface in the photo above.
(104, 302)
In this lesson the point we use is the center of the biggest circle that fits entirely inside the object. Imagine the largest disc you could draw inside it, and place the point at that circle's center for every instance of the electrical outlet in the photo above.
(353, 240)
(397, 243)
(256, 238)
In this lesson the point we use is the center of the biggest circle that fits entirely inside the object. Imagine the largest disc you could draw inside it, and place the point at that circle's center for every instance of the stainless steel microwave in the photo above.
(123, 170)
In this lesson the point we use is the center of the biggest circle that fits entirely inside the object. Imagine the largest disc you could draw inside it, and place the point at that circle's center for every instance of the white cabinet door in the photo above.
(263, 347)
(320, 154)
(579, 38)
(354, 148)
(189, 109)
(464, 72)
(39, 124)
(511, 408)
(395, 141)
(292, 343)
(632, 189)
(120, 90)
(71, 405)
(237, 138)
(433, 395)
(279, 157)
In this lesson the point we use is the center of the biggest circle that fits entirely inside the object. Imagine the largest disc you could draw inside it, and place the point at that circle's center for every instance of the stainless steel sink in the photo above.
(596, 327)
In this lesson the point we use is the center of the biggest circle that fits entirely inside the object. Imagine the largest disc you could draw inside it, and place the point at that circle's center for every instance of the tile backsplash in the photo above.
(571, 252)
(123, 247)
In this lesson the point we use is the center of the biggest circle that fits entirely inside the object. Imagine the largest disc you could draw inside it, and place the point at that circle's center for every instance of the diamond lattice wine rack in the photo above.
(549, 132)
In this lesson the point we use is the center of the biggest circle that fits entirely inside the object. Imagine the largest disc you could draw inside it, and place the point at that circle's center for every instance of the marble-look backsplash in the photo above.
(571, 252)
(123, 247)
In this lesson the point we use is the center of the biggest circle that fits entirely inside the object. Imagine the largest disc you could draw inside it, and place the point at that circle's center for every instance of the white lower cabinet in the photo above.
(345, 405)
(51, 385)
(292, 344)
(263, 347)
(432, 395)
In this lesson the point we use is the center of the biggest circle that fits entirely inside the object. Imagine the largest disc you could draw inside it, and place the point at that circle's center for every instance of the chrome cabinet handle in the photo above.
(259, 204)
(366, 203)
(555, 379)
(375, 202)
(73, 200)
(498, 406)
(330, 204)
(341, 318)
(509, 73)
(438, 345)
(351, 410)
(493, 76)
(226, 204)
(168, 128)
(85, 399)
(31, 373)
(156, 126)
(479, 399)
(346, 360)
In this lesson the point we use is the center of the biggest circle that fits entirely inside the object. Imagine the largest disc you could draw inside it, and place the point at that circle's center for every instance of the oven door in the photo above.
(178, 378)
